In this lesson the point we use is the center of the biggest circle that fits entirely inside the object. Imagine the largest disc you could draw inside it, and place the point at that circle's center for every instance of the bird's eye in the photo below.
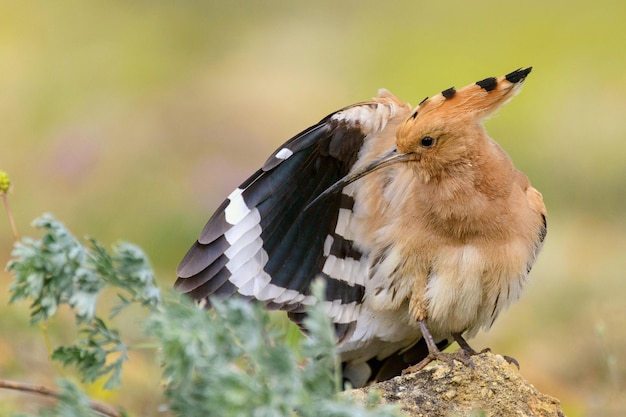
(427, 141)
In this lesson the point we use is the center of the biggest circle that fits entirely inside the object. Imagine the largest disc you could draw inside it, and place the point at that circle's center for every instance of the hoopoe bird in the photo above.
(418, 222)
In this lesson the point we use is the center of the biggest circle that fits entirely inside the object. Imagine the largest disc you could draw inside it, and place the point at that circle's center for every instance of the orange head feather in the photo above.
(454, 110)
(445, 133)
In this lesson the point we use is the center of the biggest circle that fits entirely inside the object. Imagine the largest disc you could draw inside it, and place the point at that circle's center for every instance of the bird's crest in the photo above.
(470, 104)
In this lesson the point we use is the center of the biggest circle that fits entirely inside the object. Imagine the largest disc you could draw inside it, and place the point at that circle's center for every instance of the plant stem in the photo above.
(16, 237)
(46, 339)
(97, 406)
(141, 346)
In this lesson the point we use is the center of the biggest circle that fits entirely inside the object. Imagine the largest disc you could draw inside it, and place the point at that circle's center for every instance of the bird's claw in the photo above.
(511, 360)
(463, 355)
(460, 355)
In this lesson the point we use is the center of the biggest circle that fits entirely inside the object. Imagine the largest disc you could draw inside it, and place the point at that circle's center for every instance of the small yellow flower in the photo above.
(5, 182)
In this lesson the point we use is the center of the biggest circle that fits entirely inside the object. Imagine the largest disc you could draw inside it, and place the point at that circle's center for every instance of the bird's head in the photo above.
(444, 131)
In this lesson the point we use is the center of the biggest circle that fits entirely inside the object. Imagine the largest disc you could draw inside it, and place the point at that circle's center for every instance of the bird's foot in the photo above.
(463, 355)
(471, 352)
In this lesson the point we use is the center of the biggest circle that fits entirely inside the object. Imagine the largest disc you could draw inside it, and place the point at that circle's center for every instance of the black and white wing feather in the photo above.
(263, 244)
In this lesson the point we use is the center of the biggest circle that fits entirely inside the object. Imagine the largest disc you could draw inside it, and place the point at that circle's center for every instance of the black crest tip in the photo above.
(422, 102)
(518, 75)
(449, 93)
(488, 84)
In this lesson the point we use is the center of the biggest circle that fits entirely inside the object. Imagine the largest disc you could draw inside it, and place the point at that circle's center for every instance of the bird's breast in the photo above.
(470, 284)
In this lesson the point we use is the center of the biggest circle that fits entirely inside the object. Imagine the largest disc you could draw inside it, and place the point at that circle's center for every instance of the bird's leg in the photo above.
(434, 353)
(465, 346)
(471, 352)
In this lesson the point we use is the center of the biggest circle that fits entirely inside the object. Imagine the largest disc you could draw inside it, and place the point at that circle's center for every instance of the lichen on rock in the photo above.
(491, 388)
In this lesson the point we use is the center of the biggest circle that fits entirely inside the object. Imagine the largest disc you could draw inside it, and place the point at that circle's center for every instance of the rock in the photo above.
(493, 388)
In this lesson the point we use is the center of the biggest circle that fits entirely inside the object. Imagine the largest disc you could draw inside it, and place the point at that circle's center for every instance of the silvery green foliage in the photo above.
(226, 362)
(57, 269)
(230, 362)
(54, 270)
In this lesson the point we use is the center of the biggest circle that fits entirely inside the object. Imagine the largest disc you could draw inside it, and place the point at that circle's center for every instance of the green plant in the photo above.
(57, 269)
(225, 362)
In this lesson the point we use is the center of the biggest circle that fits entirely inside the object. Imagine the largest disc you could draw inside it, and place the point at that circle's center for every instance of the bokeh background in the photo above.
(133, 120)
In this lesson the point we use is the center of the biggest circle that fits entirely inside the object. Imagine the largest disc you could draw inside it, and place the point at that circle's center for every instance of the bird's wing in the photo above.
(263, 242)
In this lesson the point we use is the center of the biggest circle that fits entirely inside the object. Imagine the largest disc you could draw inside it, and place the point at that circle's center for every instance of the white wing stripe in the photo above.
(284, 153)
(236, 209)
(244, 254)
(343, 224)
(343, 269)
(252, 219)
(370, 118)
(252, 235)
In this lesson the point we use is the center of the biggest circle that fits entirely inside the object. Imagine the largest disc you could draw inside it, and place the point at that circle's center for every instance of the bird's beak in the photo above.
(390, 157)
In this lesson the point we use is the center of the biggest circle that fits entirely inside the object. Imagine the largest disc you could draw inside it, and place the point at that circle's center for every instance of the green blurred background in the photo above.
(134, 119)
